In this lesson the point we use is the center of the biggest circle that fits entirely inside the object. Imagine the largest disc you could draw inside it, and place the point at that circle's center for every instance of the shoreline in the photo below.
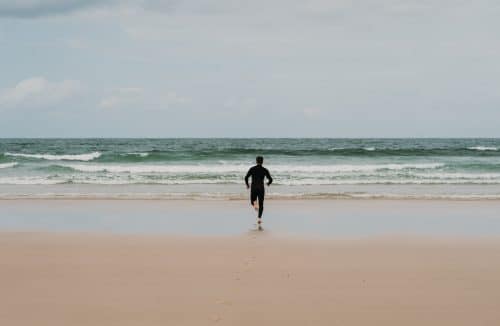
(238, 192)
(306, 218)
(226, 197)
(209, 199)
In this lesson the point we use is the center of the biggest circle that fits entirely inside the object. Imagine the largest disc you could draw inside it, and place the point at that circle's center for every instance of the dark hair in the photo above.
(259, 159)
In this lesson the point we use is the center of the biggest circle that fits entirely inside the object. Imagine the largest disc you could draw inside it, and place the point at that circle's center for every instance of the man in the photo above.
(258, 173)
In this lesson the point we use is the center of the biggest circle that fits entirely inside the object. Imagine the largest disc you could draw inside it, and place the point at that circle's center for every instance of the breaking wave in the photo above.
(62, 157)
(483, 148)
(7, 165)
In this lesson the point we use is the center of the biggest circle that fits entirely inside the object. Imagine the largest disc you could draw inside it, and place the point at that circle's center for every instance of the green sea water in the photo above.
(420, 168)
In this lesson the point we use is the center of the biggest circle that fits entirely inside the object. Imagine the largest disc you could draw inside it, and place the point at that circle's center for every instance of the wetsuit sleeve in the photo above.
(248, 176)
(269, 178)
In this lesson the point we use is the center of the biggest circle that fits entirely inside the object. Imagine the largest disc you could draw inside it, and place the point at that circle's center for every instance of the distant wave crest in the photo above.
(483, 148)
(138, 154)
(53, 157)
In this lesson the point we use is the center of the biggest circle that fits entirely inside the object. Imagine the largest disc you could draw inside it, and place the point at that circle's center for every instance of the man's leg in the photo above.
(261, 202)
(253, 196)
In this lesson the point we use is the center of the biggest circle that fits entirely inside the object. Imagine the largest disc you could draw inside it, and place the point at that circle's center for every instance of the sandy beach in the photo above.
(82, 279)
(67, 263)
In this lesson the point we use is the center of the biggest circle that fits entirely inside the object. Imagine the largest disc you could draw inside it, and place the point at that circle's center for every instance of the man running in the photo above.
(258, 172)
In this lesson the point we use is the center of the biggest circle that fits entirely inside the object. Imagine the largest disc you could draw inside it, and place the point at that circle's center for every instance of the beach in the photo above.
(54, 279)
(249, 163)
(202, 262)
(161, 232)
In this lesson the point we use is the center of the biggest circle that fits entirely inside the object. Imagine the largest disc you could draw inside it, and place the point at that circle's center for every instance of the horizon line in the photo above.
(249, 137)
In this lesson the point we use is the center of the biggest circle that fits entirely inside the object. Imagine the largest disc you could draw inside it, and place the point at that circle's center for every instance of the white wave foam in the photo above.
(29, 181)
(370, 149)
(233, 168)
(458, 176)
(324, 182)
(353, 168)
(483, 148)
(155, 168)
(138, 154)
(7, 165)
(417, 196)
(135, 180)
(52, 157)
(243, 196)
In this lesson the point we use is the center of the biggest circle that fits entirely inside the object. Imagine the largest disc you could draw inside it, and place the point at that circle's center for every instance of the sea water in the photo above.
(215, 168)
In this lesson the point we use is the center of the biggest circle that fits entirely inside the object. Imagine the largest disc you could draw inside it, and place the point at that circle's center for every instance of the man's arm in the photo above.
(248, 176)
(268, 176)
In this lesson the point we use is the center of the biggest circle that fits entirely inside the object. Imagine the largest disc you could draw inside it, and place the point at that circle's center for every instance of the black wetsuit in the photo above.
(258, 173)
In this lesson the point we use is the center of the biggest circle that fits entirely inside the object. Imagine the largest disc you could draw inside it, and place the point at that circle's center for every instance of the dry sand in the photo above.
(254, 279)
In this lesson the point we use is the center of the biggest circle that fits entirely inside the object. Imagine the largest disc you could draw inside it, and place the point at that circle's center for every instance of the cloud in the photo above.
(41, 8)
(38, 8)
(38, 92)
(137, 97)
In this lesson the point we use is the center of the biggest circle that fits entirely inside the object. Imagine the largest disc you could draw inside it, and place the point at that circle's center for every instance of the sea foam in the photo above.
(138, 154)
(7, 165)
(483, 148)
(236, 168)
(28, 181)
(144, 168)
(52, 157)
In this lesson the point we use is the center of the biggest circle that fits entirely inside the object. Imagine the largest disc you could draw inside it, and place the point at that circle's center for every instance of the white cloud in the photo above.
(37, 8)
(38, 92)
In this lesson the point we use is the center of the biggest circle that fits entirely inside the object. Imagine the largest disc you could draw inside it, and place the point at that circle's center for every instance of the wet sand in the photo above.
(251, 279)
(308, 218)
(345, 262)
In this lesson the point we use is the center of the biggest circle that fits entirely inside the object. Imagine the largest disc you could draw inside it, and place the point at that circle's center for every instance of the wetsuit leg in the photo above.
(257, 193)
(260, 196)
(253, 196)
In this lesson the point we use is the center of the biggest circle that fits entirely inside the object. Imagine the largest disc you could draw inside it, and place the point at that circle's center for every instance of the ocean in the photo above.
(215, 168)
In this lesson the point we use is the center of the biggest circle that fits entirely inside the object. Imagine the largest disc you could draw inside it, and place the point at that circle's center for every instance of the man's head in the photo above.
(259, 160)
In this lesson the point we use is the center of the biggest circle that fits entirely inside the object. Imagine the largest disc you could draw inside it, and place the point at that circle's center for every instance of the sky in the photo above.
(260, 68)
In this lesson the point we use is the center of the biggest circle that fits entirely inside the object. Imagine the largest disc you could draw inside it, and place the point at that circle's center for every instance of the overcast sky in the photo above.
(268, 68)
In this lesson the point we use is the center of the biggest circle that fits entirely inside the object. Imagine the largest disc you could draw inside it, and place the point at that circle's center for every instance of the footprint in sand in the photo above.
(216, 318)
